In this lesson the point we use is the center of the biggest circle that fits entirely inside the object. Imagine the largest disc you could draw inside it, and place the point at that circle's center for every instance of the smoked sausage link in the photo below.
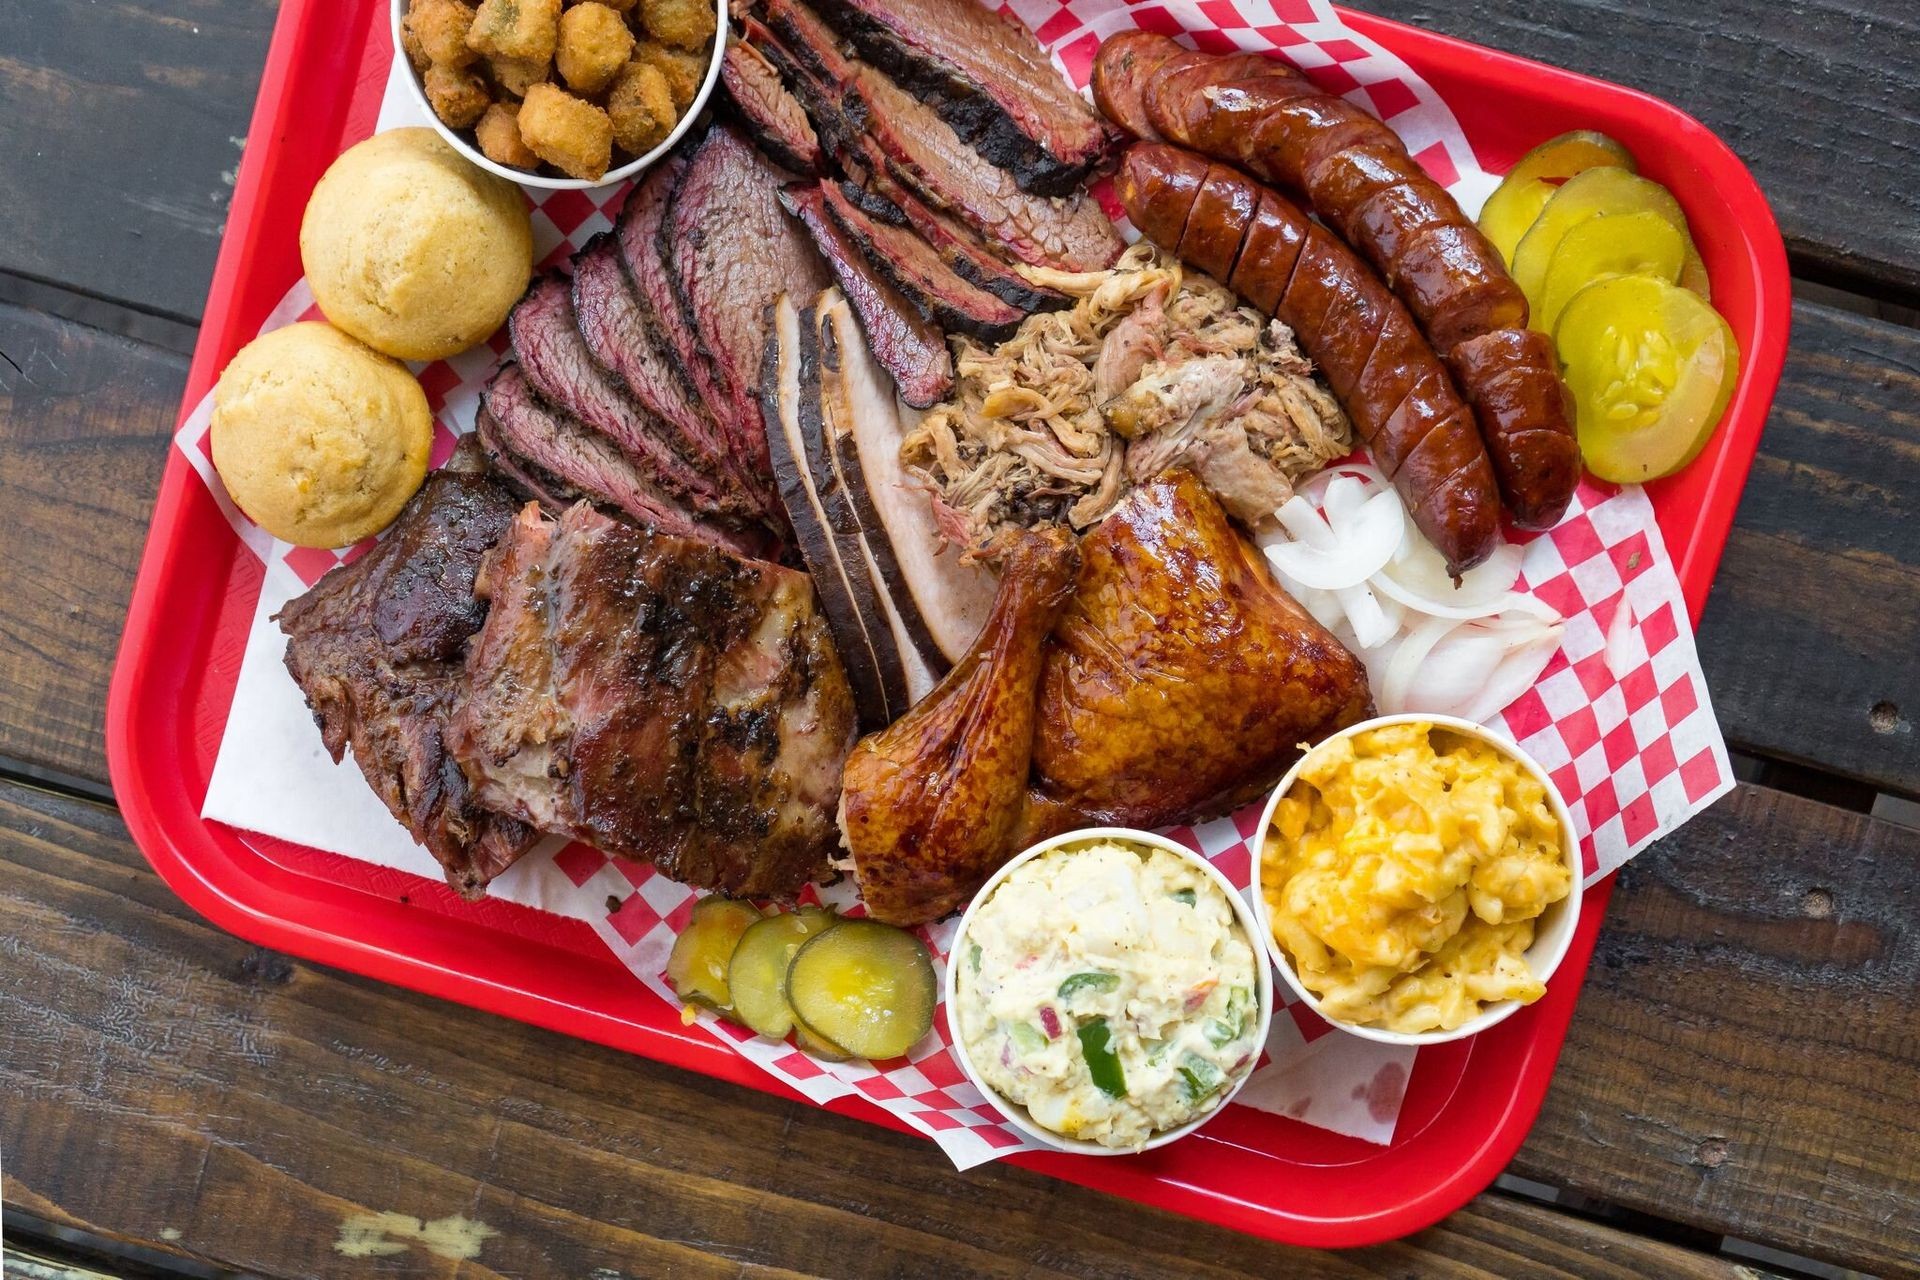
(1265, 117)
(1394, 388)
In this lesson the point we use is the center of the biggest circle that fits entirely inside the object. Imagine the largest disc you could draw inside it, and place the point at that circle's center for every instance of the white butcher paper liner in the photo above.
(1628, 735)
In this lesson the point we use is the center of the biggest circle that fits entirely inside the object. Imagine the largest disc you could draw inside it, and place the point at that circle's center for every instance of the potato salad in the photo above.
(1110, 990)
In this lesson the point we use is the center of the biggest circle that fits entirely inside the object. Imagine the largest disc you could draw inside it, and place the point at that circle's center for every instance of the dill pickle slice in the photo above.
(697, 967)
(757, 974)
(1510, 211)
(1651, 368)
(865, 986)
(825, 1050)
(1597, 191)
(1605, 246)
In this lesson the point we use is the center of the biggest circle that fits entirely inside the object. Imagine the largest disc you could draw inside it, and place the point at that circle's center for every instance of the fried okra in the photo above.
(517, 75)
(641, 108)
(684, 72)
(573, 136)
(498, 134)
(594, 44)
(440, 27)
(516, 28)
(684, 24)
(457, 97)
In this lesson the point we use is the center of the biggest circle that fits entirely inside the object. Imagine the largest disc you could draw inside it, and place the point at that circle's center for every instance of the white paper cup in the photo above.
(462, 140)
(1015, 1113)
(1553, 933)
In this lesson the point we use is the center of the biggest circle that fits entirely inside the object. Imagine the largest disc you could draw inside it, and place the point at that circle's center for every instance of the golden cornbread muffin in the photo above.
(413, 249)
(320, 440)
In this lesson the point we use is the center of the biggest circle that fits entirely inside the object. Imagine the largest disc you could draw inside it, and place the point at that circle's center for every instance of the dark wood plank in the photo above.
(172, 1086)
(1810, 636)
(1746, 1053)
(1817, 97)
(85, 418)
(124, 123)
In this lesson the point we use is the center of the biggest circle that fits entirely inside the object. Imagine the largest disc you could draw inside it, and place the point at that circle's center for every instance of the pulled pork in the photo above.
(1151, 367)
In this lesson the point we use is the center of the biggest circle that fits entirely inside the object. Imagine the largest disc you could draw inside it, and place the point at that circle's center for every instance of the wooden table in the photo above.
(1745, 1061)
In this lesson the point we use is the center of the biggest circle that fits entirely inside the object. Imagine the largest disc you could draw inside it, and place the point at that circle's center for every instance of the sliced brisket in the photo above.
(562, 370)
(376, 647)
(558, 461)
(905, 138)
(731, 250)
(622, 336)
(909, 347)
(990, 81)
(659, 699)
(961, 248)
(638, 232)
(933, 287)
(771, 114)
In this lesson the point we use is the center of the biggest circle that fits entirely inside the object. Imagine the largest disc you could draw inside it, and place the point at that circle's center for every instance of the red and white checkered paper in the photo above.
(1620, 717)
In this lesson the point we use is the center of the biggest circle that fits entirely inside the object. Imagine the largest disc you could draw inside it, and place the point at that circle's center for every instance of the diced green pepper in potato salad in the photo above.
(1110, 990)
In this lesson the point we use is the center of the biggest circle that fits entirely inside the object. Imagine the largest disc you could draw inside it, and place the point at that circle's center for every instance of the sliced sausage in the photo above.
(1357, 174)
(1420, 431)
(1516, 384)
(1221, 214)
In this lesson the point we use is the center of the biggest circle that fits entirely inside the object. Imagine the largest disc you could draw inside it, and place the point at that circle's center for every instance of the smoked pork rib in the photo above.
(376, 647)
(660, 699)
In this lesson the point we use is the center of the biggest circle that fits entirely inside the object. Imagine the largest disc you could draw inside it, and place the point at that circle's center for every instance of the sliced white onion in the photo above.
(1344, 547)
(1517, 673)
(1392, 695)
(1423, 571)
(1620, 639)
(1358, 547)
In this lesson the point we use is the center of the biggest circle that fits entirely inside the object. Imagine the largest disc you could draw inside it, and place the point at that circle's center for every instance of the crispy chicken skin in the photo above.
(1181, 680)
(932, 805)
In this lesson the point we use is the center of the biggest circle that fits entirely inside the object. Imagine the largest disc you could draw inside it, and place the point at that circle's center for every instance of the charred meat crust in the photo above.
(911, 349)
(768, 110)
(910, 264)
(1046, 166)
(376, 646)
(784, 384)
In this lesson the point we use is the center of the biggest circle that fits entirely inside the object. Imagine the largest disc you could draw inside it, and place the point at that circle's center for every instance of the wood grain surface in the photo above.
(124, 124)
(85, 420)
(1821, 98)
(1746, 1055)
(1810, 635)
(167, 1082)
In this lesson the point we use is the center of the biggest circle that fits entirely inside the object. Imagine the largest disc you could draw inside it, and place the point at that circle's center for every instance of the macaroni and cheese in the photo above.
(1403, 873)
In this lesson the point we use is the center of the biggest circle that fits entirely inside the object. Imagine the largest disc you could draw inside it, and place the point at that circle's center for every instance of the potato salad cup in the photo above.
(1106, 991)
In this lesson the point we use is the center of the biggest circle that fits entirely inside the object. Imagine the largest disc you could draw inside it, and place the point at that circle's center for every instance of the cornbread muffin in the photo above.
(319, 440)
(414, 250)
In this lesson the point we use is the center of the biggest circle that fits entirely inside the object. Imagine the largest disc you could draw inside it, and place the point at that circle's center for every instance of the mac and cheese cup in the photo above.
(1553, 927)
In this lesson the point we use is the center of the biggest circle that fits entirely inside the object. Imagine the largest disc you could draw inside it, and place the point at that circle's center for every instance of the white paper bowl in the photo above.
(462, 140)
(1015, 1113)
(1552, 935)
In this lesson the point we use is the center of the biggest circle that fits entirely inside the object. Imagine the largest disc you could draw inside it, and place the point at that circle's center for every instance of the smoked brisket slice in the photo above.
(638, 232)
(772, 116)
(903, 137)
(562, 370)
(731, 250)
(910, 263)
(376, 647)
(989, 79)
(659, 699)
(908, 346)
(558, 461)
(622, 337)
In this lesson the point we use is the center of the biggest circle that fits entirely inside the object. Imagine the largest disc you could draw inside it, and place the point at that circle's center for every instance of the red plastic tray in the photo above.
(1264, 1174)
